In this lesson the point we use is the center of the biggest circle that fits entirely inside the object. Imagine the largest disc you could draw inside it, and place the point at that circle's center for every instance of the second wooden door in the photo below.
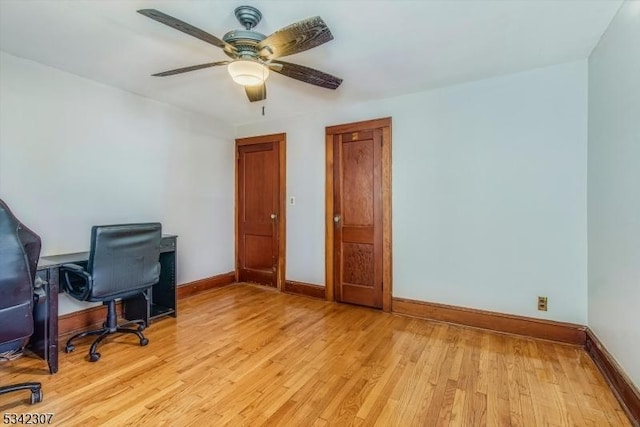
(357, 202)
(259, 255)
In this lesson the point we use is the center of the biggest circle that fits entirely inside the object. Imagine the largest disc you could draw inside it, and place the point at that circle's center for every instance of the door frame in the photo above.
(281, 140)
(387, 274)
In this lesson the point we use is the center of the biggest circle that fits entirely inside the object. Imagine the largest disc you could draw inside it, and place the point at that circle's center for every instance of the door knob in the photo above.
(274, 216)
(336, 218)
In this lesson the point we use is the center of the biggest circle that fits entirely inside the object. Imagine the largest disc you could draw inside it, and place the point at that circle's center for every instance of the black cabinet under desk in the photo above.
(160, 300)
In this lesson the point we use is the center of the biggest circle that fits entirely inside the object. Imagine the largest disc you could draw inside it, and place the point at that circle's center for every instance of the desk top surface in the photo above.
(56, 260)
(53, 260)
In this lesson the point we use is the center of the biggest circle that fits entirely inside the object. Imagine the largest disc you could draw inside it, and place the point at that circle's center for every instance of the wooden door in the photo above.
(358, 192)
(260, 201)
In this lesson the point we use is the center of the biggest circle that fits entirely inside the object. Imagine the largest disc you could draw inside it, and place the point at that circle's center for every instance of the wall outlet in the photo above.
(542, 303)
(292, 200)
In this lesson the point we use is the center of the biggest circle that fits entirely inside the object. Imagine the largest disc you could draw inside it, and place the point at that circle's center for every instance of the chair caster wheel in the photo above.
(144, 342)
(141, 328)
(94, 357)
(69, 348)
(36, 396)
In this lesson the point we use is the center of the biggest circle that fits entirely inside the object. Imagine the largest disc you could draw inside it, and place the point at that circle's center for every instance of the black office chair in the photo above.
(19, 253)
(123, 262)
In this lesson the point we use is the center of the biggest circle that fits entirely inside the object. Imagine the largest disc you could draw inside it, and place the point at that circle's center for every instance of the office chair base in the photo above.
(35, 388)
(110, 327)
(103, 333)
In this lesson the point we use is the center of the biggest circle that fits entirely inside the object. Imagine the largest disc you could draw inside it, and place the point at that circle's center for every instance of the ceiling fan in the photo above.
(253, 54)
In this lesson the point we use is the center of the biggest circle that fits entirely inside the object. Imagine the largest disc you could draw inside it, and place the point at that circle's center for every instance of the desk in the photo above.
(160, 300)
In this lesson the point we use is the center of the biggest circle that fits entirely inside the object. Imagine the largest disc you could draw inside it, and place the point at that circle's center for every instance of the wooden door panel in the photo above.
(358, 234)
(262, 277)
(358, 264)
(258, 185)
(357, 183)
(359, 295)
(259, 228)
(258, 252)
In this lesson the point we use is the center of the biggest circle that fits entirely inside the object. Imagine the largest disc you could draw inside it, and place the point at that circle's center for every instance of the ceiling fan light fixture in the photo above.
(247, 72)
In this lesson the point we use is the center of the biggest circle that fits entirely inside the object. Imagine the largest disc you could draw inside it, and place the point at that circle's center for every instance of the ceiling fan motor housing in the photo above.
(245, 42)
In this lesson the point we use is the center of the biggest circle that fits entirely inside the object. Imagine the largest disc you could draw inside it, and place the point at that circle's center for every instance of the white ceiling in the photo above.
(380, 48)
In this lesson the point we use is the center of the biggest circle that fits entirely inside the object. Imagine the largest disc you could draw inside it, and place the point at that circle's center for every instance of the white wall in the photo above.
(75, 153)
(489, 191)
(489, 181)
(614, 189)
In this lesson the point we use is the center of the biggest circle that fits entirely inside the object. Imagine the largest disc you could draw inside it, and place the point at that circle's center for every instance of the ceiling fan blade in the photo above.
(307, 75)
(186, 28)
(191, 68)
(256, 93)
(294, 38)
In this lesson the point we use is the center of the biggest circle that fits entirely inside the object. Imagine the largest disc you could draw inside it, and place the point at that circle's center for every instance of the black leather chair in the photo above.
(123, 262)
(19, 253)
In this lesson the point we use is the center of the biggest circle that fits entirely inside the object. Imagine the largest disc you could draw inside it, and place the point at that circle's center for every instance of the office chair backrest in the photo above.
(124, 259)
(19, 253)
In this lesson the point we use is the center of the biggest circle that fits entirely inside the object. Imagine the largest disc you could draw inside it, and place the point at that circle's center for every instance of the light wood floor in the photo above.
(244, 355)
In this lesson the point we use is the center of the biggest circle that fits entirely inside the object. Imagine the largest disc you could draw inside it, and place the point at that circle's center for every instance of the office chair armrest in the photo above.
(74, 267)
(79, 289)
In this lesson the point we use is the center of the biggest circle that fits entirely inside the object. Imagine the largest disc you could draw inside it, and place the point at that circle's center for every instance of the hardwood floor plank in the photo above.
(455, 417)
(248, 355)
